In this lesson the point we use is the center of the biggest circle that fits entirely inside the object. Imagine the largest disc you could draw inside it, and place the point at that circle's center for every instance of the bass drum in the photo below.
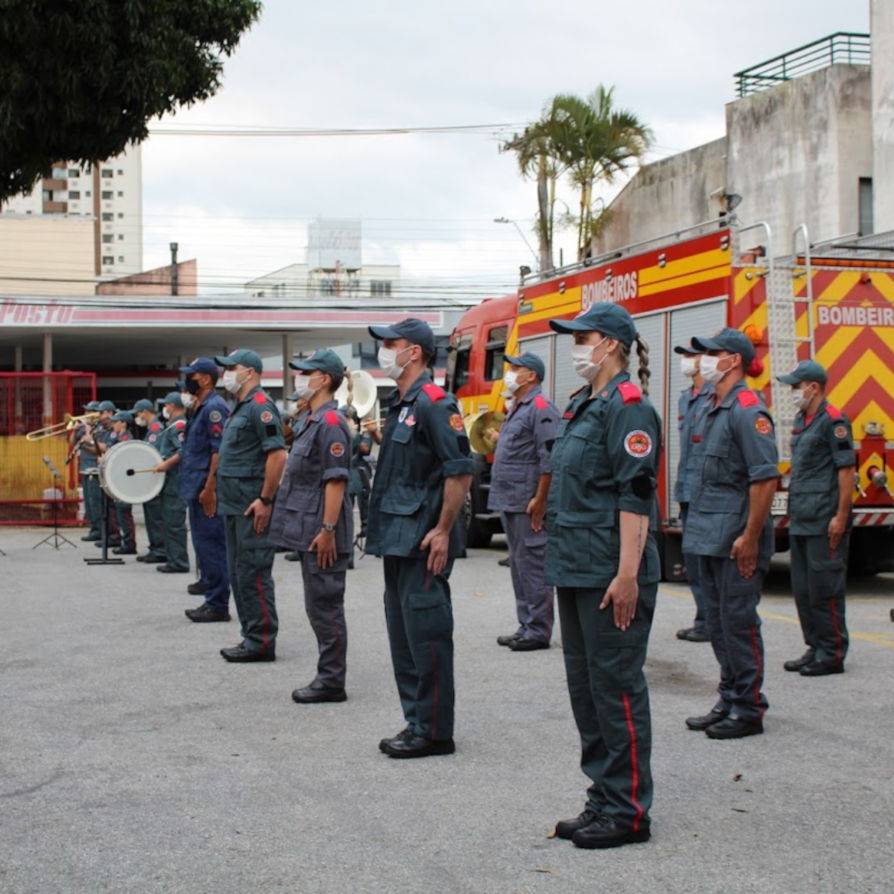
(127, 472)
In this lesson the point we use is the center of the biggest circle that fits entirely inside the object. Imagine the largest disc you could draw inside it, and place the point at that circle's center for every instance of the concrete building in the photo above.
(109, 194)
(809, 140)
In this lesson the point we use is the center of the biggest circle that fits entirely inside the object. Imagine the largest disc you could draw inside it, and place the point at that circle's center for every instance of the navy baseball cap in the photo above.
(106, 405)
(173, 397)
(180, 385)
(202, 365)
(92, 406)
(687, 349)
(242, 357)
(415, 331)
(609, 319)
(731, 340)
(805, 371)
(143, 404)
(529, 361)
(123, 416)
(321, 361)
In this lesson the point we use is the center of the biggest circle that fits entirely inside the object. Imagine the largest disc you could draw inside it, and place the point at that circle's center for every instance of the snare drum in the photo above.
(127, 472)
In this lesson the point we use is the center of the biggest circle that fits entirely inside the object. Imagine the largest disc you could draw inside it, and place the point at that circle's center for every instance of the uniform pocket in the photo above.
(403, 499)
(741, 601)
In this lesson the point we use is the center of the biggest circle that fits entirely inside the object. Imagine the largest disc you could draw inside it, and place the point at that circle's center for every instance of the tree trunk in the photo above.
(544, 221)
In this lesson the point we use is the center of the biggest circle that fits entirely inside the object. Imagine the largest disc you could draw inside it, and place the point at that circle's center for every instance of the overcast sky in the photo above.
(241, 205)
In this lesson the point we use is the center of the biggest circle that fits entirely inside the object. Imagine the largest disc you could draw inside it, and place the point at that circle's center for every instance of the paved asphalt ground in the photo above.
(133, 758)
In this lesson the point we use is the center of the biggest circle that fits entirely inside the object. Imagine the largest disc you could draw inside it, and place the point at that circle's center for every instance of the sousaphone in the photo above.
(477, 427)
(362, 389)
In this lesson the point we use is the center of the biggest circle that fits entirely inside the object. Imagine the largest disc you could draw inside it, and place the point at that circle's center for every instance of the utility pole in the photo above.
(175, 284)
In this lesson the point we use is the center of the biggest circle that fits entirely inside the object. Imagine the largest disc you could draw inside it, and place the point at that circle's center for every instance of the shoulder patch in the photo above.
(331, 417)
(834, 412)
(266, 416)
(180, 423)
(762, 425)
(337, 449)
(541, 402)
(215, 416)
(638, 444)
(456, 422)
(434, 392)
(840, 432)
(748, 398)
(630, 393)
(261, 397)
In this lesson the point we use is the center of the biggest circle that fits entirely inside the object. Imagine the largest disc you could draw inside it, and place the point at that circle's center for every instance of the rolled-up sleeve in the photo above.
(841, 443)
(446, 433)
(758, 443)
(634, 444)
(546, 422)
(335, 451)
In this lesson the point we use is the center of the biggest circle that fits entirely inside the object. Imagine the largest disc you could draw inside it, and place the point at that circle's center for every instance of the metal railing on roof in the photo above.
(842, 48)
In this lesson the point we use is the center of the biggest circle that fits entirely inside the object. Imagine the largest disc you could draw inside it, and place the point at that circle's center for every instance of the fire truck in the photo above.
(832, 301)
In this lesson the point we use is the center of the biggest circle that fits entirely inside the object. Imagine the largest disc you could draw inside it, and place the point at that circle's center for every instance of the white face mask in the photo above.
(231, 381)
(802, 399)
(141, 421)
(582, 357)
(687, 367)
(510, 381)
(509, 403)
(388, 362)
(189, 400)
(303, 389)
(708, 368)
(165, 413)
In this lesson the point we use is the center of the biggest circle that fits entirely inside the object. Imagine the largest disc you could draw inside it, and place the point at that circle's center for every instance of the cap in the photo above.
(731, 340)
(321, 361)
(106, 405)
(92, 406)
(416, 331)
(805, 371)
(201, 365)
(687, 349)
(529, 361)
(173, 398)
(143, 404)
(242, 357)
(123, 416)
(609, 319)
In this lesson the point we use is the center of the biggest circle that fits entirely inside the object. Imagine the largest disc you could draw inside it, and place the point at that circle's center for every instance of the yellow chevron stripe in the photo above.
(885, 285)
(872, 412)
(838, 288)
(716, 258)
(682, 281)
(870, 366)
(743, 285)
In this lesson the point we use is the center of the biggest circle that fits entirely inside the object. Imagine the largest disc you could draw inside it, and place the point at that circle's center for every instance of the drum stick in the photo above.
(138, 471)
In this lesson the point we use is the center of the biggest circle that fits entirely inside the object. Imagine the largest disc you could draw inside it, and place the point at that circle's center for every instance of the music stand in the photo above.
(104, 522)
(55, 537)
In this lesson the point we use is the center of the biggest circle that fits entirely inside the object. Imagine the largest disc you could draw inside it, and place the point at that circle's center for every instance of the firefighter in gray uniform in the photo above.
(819, 510)
(313, 516)
(87, 470)
(693, 399)
(603, 560)
(173, 506)
(422, 479)
(153, 513)
(519, 487)
(250, 465)
(730, 528)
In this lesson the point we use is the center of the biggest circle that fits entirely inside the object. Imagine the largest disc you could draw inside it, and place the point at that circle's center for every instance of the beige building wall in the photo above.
(46, 255)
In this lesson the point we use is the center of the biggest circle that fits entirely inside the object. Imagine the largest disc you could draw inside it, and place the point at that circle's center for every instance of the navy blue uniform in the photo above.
(204, 429)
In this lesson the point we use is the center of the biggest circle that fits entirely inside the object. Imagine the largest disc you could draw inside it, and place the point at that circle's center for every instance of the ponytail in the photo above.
(644, 373)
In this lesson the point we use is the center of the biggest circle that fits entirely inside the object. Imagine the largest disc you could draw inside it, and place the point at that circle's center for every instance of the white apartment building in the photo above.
(110, 193)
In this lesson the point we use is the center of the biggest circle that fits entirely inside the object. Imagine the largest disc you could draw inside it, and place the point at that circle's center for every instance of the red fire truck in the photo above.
(833, 302)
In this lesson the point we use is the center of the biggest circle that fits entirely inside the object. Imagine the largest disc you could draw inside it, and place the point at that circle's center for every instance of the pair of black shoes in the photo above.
(517, 642)
(406, 744)
(90, 538)
(240, 655)
(205, 615)
(167, 569)
(121, 551)
(596, 830)
(149, 559)
(196, 589)
(720, 724)
(693, 635)
(808, 666)
(317, 693)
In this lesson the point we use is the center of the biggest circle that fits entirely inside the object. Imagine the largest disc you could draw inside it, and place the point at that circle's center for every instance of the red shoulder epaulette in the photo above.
(180, 424)
(630, 393)
(541, 402)
(155, 427)
(748, 399)
(834, 412)
(260, 397)
(331, 417)
(434, 392)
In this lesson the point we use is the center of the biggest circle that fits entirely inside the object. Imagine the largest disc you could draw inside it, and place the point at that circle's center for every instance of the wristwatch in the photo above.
(267, 501)
(328, 527)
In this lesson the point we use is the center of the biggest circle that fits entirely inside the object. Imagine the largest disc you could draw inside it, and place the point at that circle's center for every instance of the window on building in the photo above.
(120, 215)
(380, 287)
(88, 194)
(108, 172)
(108, 259)
(121, 237)
(73, 172)
(867, 224)
(47, 195)
(74, 194)
(494, 352)
(107, 215)
(60, 173)
(107, 237)
(108, 194)
(120, 259)
(120, 194)
(120, 172)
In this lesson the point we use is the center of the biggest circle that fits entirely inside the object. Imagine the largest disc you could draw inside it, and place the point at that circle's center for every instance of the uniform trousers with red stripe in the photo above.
(250, 565)
(610, 700)
(419, 617)
(818, 581)
(324, 602)
(735, 628)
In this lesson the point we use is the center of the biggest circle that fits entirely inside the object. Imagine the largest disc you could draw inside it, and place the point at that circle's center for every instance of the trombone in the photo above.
(70, 423)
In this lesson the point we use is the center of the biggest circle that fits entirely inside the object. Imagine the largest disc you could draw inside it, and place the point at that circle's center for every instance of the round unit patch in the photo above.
(214, 416)
(638, 444)
(266, 416)
(456, 421)
(762, 425)
(337, 449)
(840, 431)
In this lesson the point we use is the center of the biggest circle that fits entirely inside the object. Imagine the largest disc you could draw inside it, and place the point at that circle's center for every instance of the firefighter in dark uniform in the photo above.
(87, 470)
(422, 479)
(819, 511)
(123, 512)
(693, 399)
(173, 506)
(252, 460)
(197, 484)
(146, 419)
(313, 516)
(97, 443)
(519, 486)
(603, 560)
(729, 527)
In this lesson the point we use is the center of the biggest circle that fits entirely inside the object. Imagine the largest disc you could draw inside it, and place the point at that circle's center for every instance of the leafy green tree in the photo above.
(80, 79)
